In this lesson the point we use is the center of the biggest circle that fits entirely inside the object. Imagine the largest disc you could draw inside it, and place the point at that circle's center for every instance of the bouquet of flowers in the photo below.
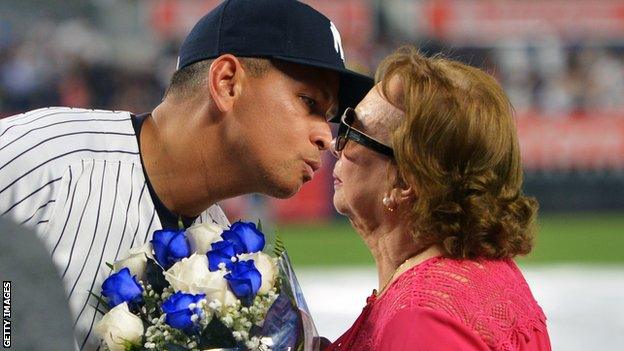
(205, 288)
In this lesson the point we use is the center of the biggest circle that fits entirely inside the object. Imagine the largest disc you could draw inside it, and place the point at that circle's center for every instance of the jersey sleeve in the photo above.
(28, 189)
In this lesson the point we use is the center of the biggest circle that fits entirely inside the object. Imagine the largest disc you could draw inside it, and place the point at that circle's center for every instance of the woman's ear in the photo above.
(398, 197)
(403, 194)
(225, 79)
(400, 194)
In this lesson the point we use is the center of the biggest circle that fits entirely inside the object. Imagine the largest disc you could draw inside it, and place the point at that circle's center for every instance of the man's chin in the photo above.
(284, 191)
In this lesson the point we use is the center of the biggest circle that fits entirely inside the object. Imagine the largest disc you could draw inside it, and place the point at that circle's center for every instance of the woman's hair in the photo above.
(457, 148)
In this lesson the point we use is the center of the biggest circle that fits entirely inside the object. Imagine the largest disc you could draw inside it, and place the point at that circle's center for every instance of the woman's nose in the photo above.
(332, 148)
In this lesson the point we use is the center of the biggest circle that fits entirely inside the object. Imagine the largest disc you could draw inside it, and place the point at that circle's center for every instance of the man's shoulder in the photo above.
(47, 115)
(71, 124)
(37, 148)
(56, 132)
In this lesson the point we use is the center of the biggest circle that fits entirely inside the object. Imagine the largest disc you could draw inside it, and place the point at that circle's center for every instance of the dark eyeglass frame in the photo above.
(346, 133)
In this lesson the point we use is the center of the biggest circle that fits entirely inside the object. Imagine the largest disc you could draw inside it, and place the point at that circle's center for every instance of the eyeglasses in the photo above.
(346, 132)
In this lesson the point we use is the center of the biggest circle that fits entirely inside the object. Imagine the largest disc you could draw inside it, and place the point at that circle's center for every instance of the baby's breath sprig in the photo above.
(240, 318)
(159, 334)
(152, 301)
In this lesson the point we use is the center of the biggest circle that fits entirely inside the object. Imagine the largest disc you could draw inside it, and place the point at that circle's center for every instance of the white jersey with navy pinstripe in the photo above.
(76, 177)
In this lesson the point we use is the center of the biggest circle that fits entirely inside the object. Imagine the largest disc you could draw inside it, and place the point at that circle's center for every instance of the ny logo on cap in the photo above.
(337, 40)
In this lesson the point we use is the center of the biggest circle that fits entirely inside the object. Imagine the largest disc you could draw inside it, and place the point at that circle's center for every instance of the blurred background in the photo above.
(560, 61)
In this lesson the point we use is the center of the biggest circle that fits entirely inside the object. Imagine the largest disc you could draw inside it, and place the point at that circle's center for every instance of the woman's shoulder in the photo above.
(463, 281)
(490, 297)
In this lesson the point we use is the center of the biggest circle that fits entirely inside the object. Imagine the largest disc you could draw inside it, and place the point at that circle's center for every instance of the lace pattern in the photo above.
(491, 297)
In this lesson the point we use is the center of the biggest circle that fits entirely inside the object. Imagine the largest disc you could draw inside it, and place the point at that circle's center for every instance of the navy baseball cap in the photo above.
(286, 30)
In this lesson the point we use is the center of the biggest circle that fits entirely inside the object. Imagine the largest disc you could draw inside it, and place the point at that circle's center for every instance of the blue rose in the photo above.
(170, 246)
(122, 287)
(179, 315)
(245, 237)
(244, 280)
(222, 252)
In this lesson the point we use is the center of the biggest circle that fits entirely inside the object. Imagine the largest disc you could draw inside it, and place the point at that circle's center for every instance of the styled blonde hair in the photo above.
(457, 147)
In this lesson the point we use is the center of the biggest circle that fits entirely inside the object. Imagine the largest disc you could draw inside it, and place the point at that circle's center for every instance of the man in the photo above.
(245, 112)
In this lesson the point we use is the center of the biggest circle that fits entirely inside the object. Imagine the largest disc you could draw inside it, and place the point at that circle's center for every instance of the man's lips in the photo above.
(311, 167)
(315, 165)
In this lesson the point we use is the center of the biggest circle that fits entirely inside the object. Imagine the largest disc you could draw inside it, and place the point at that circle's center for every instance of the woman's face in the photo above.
(361, 174)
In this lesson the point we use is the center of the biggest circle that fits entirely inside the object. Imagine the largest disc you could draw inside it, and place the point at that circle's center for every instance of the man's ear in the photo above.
(225, 77)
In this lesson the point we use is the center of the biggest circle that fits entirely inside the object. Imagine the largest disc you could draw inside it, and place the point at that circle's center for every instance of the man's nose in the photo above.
(321, 136)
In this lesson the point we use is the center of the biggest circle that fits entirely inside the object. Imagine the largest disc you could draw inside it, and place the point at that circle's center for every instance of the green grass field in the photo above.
(565, 238)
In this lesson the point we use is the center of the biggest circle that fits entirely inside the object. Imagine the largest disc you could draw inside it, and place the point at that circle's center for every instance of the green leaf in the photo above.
(274, 245)
(269, 244)
(110, 266)
(155, 276)
(130, 346)
(259, 225)
(99, 298)
(279, 245)
(98, 310)
(175, 347)
(216, 335)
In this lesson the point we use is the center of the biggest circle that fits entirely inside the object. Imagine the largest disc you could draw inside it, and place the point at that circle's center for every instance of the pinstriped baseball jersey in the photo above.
(75, 176)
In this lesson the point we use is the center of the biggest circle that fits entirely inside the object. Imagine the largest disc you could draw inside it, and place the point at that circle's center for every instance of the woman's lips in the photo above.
(337, 180)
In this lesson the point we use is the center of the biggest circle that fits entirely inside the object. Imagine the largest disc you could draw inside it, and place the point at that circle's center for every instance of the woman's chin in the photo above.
(339, 205)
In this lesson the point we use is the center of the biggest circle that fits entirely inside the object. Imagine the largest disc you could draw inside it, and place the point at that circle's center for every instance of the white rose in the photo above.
(201, 236)
(136, 260)
(119, 326)
(266, 266)
(191, 275)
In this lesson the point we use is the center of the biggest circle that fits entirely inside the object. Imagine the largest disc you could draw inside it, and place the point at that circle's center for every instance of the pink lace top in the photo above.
(446, 304)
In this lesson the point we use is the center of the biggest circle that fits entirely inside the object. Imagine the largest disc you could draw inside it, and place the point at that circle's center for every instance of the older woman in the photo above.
(429, 175)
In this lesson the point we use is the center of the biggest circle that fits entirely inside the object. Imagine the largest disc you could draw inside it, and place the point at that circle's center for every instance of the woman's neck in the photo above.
(394, 249)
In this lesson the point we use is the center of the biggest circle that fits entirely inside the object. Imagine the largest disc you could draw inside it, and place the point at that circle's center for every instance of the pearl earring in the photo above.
(387, 202)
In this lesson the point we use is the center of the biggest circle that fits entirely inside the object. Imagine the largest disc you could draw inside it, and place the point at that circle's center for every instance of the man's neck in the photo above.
(187, 173)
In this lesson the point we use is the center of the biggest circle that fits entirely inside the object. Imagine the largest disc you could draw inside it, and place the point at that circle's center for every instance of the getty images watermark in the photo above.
(6, 314)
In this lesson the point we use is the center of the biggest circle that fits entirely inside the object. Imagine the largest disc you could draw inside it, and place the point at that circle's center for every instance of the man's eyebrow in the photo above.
(327, 95)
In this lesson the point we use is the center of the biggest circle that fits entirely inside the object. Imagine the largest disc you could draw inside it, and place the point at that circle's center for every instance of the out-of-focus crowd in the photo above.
(71, 64)
(570, 91)
(68, 64)
(557, 80)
